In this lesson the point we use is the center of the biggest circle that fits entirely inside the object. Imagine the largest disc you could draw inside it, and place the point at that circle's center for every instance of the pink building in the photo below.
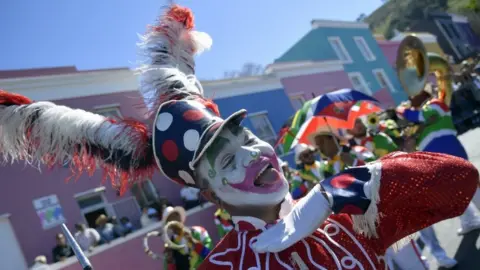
(33, 204)
(304, 80)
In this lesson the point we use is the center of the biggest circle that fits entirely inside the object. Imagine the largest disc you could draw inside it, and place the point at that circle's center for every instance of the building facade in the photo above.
(353, 44)
(454, 33)
(37, 200)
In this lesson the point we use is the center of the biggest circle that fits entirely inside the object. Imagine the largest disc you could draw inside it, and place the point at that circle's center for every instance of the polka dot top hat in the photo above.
(186, 122)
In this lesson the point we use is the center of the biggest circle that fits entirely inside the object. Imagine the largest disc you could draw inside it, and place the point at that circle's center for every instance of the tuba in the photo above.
(415, 64)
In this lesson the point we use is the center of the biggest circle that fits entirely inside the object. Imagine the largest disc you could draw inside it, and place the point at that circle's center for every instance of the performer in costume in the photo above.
(338, 157)
(309, 169)
(437, 133)
(223, 221)
(196, 240)
(194, 146)
(375, 141)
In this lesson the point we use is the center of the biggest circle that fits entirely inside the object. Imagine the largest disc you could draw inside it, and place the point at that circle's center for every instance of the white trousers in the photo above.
(470, 214)
(407, 258)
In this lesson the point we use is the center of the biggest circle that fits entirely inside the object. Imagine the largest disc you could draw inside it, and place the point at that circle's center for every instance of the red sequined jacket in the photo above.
(410, 191)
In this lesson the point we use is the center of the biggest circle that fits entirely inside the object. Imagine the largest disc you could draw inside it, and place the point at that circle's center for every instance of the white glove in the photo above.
(307, 216)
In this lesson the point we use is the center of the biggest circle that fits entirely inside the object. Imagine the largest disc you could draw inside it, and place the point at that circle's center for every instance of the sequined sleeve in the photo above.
(420, 189)
(402, 193)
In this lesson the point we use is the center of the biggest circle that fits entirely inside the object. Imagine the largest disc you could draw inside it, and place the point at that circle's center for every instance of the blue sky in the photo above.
(93, 34)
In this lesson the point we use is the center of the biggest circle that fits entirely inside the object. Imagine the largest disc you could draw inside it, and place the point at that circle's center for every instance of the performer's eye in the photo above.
(227, 161)
(249, 140)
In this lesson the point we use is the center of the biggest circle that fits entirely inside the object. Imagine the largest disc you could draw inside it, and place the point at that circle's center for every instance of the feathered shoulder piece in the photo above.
(49, 134)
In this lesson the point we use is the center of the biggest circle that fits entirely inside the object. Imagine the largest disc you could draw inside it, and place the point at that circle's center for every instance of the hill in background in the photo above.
(399, 14)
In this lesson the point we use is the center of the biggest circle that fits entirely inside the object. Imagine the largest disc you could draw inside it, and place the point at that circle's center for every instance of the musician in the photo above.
(223, 220)
(197, 242)
(437, 134)
(192, 145)
(374, 140)
(337, 155)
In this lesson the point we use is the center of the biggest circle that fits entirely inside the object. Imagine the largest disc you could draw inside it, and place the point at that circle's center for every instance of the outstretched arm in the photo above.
(45, 133)
(388, 200)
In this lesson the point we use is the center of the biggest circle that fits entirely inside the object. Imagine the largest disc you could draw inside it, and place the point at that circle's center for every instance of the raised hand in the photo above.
(302, 221)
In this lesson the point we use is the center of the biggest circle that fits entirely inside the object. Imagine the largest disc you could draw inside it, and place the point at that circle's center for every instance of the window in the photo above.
(112, 111)
(383, 80)
(339, 49)
(364, 49)
(297, 101)
(145, 193)
(263, 129)
(359, 83)
(92, 203)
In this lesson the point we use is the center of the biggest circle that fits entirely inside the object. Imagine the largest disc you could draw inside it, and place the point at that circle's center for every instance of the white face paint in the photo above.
(243, 170)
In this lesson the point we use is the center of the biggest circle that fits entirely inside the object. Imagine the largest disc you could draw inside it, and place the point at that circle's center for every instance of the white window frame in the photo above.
(385, 77)
(299, 96)
(366, 88)
(332, 41)
(108, 108)
(90, 193)
(141, 189)
(269, 124)
(362, 45)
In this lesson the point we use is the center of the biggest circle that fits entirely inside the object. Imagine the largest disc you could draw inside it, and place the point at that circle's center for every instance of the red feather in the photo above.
(9, 99)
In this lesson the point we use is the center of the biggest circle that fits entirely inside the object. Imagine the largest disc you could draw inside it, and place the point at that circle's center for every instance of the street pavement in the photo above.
(466, 249)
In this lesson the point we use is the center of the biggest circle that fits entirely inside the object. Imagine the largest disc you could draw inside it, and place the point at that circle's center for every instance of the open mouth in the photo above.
(266, 176)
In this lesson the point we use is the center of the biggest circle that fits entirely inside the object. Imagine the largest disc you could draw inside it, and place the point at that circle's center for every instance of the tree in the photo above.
(361, 17)
(248, 69)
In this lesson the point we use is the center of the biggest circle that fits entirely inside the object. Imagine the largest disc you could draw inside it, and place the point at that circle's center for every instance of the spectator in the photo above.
(190, 196)
(62, 250)
(40, 263)
(117, 227)
(87, 238)
(127, 225)
(149, 216)
(105, 229)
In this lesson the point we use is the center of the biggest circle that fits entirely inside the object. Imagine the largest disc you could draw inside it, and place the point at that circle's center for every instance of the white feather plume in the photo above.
(167, 67)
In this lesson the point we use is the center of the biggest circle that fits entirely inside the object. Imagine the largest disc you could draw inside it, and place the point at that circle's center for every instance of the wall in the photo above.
(128, 253)
(315, 46)
(390, 49)
(316, 84)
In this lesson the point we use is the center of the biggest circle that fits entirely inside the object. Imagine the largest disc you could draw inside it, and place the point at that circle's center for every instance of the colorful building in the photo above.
(454, 33)
(353, 44)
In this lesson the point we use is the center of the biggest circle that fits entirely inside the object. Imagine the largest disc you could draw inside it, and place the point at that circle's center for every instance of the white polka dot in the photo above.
(164, 121)
(191, 139)
(186, 177)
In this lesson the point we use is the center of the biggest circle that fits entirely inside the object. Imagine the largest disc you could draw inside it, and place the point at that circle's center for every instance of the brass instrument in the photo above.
(164, 233)
(414, 64)
(146, 247)
(166, 238)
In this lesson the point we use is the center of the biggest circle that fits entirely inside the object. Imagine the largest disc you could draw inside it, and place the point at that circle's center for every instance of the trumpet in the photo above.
(166, 237)
(146, 247)
(164, 234)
